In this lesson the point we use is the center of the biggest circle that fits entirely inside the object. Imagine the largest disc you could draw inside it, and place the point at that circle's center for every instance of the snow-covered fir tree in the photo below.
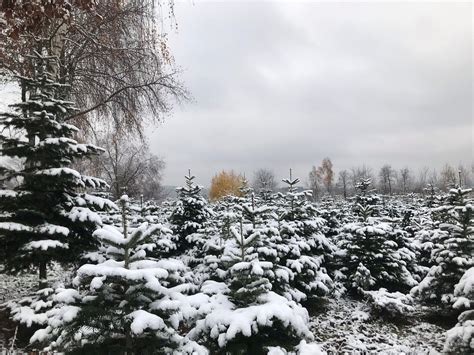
(373, 254)
(249, 274)
(365, 200)
(453, 250)
(245, 189)
(254, 316)
(123, 304)
(303, 248)
(432, 199)
(189, 218)
(47, 215)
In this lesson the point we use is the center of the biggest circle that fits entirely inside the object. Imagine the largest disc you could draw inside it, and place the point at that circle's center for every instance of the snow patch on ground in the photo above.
(345, 326)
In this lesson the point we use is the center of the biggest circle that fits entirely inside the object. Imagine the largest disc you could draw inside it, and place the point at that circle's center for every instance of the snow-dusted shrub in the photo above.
(251, 313)
(460, 338)
(271, 321)
(303, 348)
(373, 254)
(391, 304)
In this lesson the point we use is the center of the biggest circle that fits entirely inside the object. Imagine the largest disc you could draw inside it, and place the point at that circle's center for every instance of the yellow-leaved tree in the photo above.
(225, 183)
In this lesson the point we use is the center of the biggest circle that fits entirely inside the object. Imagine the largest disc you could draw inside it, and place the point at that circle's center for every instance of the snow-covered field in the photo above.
(339, 325)
(348, 326)
(244, 270)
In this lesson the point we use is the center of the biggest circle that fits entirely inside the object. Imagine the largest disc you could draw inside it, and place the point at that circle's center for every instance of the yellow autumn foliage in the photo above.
(225, 183)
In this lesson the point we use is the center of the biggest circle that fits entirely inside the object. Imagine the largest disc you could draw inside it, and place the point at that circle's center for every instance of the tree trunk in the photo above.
(43, 277)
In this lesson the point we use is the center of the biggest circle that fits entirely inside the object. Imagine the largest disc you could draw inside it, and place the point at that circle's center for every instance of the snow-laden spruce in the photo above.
(252, 313)
(301, 246)
(46, 214)
(373, 254)
(123, 303)
(188, 221)
(453, 250)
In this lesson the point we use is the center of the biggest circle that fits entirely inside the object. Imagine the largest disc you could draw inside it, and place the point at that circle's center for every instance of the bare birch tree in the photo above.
(112, 54)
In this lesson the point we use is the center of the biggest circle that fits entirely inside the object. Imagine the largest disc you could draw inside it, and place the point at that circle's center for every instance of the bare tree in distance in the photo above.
(322, 176)
(343, 181)
(128, 163)
(448, 177)
(433, 177)
(327, 174)
(465, 175)
(264, 180)
(387, 178)
(404, 179)
(422, 179)
(314, 182)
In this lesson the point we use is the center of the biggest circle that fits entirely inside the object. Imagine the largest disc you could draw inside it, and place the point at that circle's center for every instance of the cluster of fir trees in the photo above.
(255, 262)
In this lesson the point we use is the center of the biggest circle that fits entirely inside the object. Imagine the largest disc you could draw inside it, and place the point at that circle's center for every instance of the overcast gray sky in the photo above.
(285, 84)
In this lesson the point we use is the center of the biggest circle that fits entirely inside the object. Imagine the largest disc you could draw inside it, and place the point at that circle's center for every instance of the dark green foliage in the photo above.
(118, 304)
(365, 200)
(374, 254)
(258, 344)
(453, 251)
(302, 247)
(190, 214)
(45, 216)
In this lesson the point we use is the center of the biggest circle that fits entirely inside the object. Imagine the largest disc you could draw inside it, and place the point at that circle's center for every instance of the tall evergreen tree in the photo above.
(303, 248)
(190, 213)
(47, 216)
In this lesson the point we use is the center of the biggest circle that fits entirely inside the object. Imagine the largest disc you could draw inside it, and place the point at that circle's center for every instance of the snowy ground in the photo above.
(346, 326)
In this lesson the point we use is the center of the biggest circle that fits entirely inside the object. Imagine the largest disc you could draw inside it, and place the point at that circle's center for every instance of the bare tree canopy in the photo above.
(448, 177)
(321, 177)
(264, 180)
(127, 163)
(327, 174)
(343, 181)
(314, 181)
(387, 178)
(404, 180)
(111, 54)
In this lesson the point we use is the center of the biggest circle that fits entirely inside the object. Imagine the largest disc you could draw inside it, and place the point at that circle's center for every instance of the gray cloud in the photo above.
(285, 84)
